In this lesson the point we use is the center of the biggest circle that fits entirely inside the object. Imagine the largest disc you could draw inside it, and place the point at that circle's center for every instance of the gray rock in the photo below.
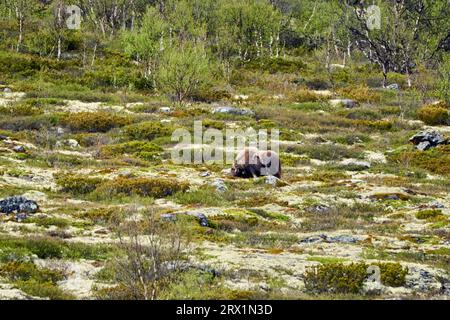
(219, 184)
(205, 174)
(233, 110)
(272, 180)
(393, 86)
(336, 239)
(427, 139)
(165, 109)
(71, 143)
(342, 239)
(18, 204)
(7, 90)
(19, 149)
(436, 205)
(201, 218)
(3, 137)
(168, 217)
(346, 103)
(319, 208)
(313, 239)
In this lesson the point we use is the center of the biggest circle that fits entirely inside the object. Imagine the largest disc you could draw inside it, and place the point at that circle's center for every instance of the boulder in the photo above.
(165, 110)
(233, 110)
(427, 139)
(18, 204)
(319, 208)
(346, 103)
(201, 218)
(18, 149)
(393, 86)
(204, 174)
(355, 165)
(219, 184)
(272, 180)
(8, 90)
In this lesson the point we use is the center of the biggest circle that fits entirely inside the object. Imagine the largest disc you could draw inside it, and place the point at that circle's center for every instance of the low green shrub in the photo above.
(100, 121)
(77, 184)
(148, 130)
(141, 149)
(338, 278)
(141, 186)
(429, 214)
(434, 115)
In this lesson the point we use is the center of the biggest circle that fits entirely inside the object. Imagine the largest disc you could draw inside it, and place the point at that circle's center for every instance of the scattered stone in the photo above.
(393, 86)
(356, 164)
(233, 110)
(346, 103)
(272, 180)
(240, 97)
(21, 216)
(427, 139)
(313, 239)
(390, 196)
(335, 239)
(319, 208)
(422, 281)
(165, 109)
(19, 149)
(19, 205)
(203, 220)
(445, 288)
(201, 217)
(205, 174)
(3, 137)
(342, 239)
(8, 90)
(71, 143)
(219, 184)
(373, 288)
(436, 205)
(60, 131)
(168, 217)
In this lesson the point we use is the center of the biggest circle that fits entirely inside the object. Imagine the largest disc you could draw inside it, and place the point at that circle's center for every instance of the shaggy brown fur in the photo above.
(251, 163)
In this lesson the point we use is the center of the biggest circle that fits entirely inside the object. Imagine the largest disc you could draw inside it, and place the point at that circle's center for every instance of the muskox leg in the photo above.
(252, 171)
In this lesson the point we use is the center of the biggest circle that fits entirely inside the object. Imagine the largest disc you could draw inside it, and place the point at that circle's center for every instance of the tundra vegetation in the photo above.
(86, 118)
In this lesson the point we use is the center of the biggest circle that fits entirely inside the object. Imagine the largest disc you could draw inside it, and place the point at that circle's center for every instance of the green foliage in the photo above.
(392, 274)
(183, 71)
(429, 214)
(38, 282)
(435, 160)
(434, 115)
(141, 186)
(207, 197)
(361, 94)
(148, 130)
(49, 248)
(77, 184)
(141, 149)
(326, 152)
(274, 65)
(100, 121)
(349, 278)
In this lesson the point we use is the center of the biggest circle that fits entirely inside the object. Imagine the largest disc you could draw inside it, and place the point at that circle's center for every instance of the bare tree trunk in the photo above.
(19, 41)
(93, 55)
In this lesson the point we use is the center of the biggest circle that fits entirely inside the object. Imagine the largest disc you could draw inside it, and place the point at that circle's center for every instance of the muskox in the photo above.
(252, 163)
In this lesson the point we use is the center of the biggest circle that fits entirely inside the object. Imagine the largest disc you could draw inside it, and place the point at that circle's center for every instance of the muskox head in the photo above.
(251, 162)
